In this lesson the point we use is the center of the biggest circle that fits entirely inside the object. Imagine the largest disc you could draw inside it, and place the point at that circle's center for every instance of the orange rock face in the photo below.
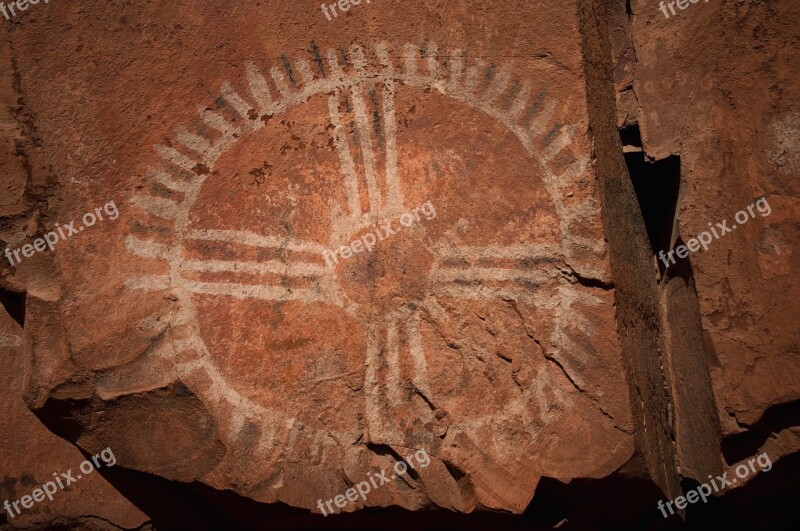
(344, 240)
(436, 295)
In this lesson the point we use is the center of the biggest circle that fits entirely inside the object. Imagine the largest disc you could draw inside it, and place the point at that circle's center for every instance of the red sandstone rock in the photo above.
(512, 326)
(31, 455)
(731, 115)
(468, 334)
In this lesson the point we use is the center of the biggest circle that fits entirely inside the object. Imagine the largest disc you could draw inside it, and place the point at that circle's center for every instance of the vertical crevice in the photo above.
(697, 434)
(657, 187)
(639, 319)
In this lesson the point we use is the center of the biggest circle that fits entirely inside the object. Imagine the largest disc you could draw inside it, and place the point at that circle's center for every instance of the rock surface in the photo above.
(748, 301)
(321, 247)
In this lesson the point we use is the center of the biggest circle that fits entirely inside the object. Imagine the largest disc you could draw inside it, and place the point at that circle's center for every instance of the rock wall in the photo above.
(746, 295)
(271, 255)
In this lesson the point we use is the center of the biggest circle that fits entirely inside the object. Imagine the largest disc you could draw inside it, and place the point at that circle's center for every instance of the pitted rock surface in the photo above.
(232, 333)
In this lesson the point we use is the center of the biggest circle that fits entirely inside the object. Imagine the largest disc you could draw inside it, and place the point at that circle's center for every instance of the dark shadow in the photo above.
(614, 502)
(770, 501)
(62, 417)
(175, 506)
(631, 136)
(775, 419)
(657, 187)
(14, 304)
(618, 502)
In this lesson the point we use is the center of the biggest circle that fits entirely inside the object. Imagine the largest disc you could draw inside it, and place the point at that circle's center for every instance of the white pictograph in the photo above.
(455, 272)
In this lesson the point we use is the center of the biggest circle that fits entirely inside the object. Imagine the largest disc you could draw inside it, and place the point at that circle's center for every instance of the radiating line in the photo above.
(418, 355)
(216, 121)
(393, 361)
(382, 51)
(255, 240)
(499, 84)
(292, 269)
(490, 273)
(345, 158)
(410, 61)
(306, 75)
(149, 283)
(236, 101)
(510, 252)
(433, 61)
(364, 136)
(473, 76)
(259, 88)
(371, 384)
(359, 61)
(561, 142)
(280, 82)
(167, 180)
(573, 171)
(520, 102)
(242, 291)
(175, 157)
(194, 142)
(540, 122)
(456, 66)
(333, 63)
(479, 292)
(148, 248)
(432, 306)
(395, 195)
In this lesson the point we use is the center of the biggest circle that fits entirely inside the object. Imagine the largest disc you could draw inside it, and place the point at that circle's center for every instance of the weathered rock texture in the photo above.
(516, 326)
(730, 114)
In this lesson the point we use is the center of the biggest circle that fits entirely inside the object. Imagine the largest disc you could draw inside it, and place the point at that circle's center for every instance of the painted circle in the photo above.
(392, 278)
(298, 345)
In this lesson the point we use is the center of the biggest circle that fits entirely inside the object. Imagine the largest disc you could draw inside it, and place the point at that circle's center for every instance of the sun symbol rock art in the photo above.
(472, 334)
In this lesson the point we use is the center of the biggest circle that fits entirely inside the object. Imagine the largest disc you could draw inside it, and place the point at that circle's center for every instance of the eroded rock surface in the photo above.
(335, 243)
(746, 292)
